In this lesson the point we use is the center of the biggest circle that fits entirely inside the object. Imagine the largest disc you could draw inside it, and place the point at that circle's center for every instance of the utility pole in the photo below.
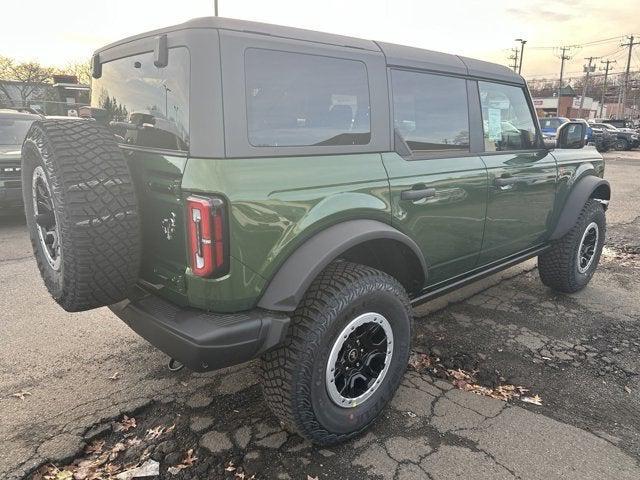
(563, 57)
(626, 73)
(588, 69)
(215, 7)
(604, 85)
(522, 42)
(514, 57)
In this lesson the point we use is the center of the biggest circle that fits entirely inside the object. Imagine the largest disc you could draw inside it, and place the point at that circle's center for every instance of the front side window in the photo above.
(298, 99)
(145, 105)
(430, 112)
(506, 117)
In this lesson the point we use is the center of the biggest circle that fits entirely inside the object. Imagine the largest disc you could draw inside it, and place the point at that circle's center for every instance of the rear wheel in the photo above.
(621, 144)
(81, 212)
(344, 355)
(572, 260)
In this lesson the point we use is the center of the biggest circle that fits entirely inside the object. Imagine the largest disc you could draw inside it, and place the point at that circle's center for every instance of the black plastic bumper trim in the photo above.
(201, 340)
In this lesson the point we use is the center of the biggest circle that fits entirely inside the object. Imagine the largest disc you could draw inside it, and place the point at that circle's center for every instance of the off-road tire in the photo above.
(621, 144)
(558, 266)
(95, 208)
(293, 375)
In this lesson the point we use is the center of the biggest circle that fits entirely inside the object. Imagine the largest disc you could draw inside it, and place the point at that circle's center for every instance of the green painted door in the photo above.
(522, 188)
(438, 187)
(522, 176)
(447, 223)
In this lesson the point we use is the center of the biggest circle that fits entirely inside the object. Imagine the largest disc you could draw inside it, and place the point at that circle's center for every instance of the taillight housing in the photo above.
(206, 224)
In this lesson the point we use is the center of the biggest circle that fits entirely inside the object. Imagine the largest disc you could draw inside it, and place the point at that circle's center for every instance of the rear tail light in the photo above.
(207, 236)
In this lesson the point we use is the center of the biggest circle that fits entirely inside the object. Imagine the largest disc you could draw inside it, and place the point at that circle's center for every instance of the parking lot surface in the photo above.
(68, 380)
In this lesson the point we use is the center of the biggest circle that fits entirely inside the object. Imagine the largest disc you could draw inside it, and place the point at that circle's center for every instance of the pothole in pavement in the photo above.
(224, 436)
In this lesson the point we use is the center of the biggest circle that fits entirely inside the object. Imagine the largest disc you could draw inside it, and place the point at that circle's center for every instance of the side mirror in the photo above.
(571, 135)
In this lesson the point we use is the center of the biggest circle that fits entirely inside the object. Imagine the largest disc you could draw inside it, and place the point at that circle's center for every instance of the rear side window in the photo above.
(298, 99)
(144, 105)
(430, 112)
(507, 120)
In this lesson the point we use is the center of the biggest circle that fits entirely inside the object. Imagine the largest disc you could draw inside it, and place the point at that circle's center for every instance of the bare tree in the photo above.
(82, 71)
(30, 75)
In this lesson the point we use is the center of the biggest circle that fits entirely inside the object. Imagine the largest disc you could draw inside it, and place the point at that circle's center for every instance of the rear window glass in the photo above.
(302, 100)
(144, 105)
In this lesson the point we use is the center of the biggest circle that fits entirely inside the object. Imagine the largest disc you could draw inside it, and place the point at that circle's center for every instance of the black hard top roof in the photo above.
(396, 55)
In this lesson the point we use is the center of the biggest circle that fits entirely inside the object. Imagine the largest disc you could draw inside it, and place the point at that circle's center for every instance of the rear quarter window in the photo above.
(144, 105)
(296, 99)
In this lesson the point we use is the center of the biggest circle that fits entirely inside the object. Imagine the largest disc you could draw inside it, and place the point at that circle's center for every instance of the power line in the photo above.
(585, 44)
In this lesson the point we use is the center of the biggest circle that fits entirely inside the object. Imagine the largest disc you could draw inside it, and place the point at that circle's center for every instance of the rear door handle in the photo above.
(418, 194)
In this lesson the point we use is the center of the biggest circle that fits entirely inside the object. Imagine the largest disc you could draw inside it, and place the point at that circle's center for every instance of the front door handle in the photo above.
(502, 182)
(418, 194)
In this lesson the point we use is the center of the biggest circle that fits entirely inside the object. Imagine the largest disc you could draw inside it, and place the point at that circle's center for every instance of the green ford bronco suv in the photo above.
(250, 190)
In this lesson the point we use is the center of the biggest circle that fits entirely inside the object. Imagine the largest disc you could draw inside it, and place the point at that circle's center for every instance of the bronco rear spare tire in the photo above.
(82, 213)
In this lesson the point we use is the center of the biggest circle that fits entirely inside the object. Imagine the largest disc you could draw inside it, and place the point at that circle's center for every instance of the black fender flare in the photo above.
(291, 281)
(580, 193)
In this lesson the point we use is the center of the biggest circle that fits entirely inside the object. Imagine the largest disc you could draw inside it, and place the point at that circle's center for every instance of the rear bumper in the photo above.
(200, 340)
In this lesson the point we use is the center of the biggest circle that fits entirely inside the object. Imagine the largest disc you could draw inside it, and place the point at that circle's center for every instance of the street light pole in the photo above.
(215, 7)
(522, 42)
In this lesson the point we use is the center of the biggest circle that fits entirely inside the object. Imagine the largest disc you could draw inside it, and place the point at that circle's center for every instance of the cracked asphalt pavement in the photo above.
(80, 373)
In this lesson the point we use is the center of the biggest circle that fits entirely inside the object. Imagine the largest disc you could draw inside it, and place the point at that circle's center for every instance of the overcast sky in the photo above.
(56, 33)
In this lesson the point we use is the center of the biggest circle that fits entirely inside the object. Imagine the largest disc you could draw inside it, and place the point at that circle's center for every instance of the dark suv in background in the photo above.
(625, 138)
(13, 128)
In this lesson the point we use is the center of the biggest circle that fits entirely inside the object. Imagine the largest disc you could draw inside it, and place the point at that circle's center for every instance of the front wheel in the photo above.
(572, 260)
(344, 356)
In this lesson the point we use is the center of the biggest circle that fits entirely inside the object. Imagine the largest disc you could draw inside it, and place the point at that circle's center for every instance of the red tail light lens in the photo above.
(206, 226)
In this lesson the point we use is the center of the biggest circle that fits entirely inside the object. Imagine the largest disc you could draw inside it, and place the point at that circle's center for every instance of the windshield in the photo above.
(12, 132)
(550, 122)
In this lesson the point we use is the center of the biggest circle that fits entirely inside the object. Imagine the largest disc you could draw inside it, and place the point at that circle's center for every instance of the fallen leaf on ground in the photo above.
(95, 447)
(309, 477)
(21, 394)
(419, 361)
(627, 389)
(115, 376)
(133, 442)
(230, 467)
(188, 460)
(150, 468)
(156, 432)
(536, 400)
(116, 449)
(125, 424)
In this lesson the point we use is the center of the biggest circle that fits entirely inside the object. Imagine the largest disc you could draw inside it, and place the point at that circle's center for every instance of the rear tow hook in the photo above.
(175, 365)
